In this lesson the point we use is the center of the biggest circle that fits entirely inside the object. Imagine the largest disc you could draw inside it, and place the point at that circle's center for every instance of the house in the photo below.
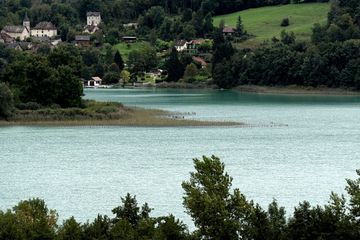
(190, 47)
(193, 45)
(16, 32)
(21, 32)
(5, 38)
(93, 18)
(83, 40)
(131, 25)
(44, 29)
(15, 46)
(229, 31)
(93, 82)
(129, 39)
(91, 29)
(180, 45)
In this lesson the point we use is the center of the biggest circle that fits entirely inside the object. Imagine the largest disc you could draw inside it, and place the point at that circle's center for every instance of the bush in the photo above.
(29, 106)
(285, 22)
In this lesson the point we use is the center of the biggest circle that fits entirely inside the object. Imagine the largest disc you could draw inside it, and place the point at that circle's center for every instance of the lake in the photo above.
(293, 148)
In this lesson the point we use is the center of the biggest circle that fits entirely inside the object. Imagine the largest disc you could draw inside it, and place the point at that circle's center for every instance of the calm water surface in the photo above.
(83, 171)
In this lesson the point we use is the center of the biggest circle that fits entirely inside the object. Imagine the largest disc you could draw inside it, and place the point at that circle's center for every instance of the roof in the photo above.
(96, 14)
(131, 24)
(26, 18)
(129, 37)
(180, 43)
(199, 60)
(45, 25)
(91, 28)
(96, 79)
(6, 37)
(82, 38)
(197, 41)
(14, 29)
(228, 30)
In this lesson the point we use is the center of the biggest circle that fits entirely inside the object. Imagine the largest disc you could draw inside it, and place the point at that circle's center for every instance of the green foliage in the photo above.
(119, 61)
(6, 101)
(216, 212)
(190, 73)
(285, 22)
(174, 67)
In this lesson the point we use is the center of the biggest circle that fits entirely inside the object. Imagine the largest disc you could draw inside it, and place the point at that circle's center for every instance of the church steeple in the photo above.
(26, 22)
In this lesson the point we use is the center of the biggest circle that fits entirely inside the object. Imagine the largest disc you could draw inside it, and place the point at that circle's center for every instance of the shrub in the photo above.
(6, 101)
(29, 106)
(285, 22)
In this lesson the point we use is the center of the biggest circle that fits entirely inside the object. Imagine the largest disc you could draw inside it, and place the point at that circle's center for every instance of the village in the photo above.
(29, 39)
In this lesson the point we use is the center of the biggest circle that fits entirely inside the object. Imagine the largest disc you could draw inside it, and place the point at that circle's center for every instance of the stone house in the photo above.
(44, 29)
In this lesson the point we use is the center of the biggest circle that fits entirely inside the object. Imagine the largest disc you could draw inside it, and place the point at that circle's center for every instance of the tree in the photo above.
(6, 101)
(70, 230)
(174, 67)
(239, 26)
(217, 213)
(36, 220)
(285, 22)
(118, 60)
(287, 38)
(353, 189)
(130, 211)
(125, 76)
(190, 73)
(70, 90)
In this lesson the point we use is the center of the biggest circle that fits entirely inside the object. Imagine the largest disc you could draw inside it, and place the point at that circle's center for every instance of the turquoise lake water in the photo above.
(294, 148)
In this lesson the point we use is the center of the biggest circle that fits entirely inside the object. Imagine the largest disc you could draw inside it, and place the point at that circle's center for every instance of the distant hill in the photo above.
(265, 22)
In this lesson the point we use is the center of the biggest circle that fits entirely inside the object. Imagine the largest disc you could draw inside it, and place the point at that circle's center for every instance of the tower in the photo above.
(26, 22)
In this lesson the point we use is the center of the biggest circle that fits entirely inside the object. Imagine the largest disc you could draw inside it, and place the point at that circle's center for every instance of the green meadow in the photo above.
(126, 48)
(264, 23)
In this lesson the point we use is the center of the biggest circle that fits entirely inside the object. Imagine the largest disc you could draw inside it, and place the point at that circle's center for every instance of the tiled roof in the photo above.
(14, 29)
(45, 26)
(228, 30)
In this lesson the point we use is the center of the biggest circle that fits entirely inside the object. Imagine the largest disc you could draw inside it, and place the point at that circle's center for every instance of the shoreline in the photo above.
(133, 117)
(290, 90)
(297, 90)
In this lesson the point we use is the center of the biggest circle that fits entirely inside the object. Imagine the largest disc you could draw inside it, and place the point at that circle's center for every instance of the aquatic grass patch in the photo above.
(105, 113)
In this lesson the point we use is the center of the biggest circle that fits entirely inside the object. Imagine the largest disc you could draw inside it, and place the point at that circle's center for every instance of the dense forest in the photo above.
(218, 211)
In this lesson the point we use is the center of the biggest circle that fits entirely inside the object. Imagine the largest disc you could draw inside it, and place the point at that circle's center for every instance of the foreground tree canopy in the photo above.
(218, 211)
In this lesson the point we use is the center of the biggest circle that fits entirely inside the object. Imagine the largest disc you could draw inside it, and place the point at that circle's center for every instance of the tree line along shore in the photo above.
(218, 211)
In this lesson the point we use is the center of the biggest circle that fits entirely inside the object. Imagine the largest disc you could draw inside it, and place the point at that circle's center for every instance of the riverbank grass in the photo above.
(104, 114)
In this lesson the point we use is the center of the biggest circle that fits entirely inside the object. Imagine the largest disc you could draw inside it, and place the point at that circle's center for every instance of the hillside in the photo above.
(264, 23)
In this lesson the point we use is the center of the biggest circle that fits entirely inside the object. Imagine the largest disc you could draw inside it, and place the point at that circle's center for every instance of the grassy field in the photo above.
(264, 23)
(125, 48)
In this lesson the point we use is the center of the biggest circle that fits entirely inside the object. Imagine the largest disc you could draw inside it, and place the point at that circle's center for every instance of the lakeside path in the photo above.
(125, 116)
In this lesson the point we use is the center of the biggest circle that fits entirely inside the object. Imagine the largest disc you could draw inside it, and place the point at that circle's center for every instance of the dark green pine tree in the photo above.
(119, 61)
(239, 26)
(174, 67)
